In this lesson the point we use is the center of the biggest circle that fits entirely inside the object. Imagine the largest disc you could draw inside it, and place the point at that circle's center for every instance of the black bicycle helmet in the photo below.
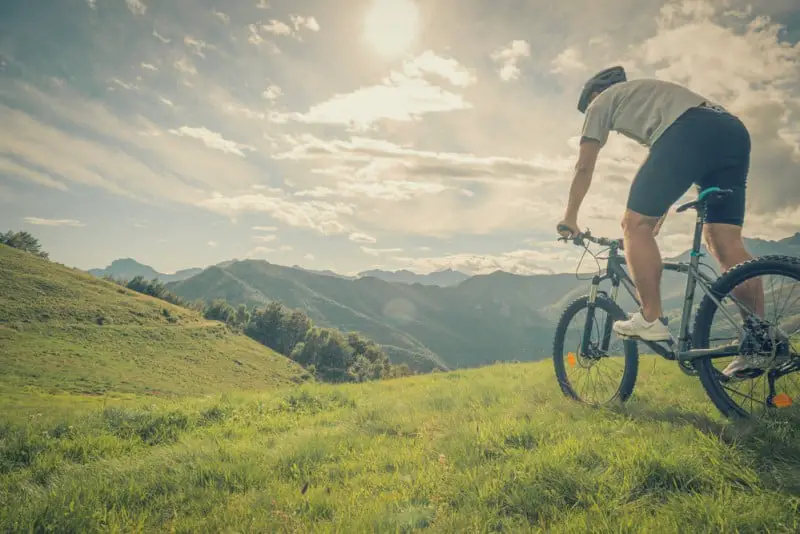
(600, 81)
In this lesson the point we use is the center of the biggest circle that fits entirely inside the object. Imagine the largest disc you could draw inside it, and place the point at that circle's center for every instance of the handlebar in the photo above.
(580, 238)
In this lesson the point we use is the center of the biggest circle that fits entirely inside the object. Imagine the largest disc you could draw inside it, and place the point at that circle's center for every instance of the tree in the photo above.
(23, 241)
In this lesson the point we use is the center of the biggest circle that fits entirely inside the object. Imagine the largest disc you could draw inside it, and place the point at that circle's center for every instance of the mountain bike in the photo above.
(773, 335)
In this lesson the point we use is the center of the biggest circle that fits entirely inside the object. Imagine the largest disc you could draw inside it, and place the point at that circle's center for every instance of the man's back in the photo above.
(639, 109)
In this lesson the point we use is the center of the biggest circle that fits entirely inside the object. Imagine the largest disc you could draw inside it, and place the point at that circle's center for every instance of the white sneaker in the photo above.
(638, 327)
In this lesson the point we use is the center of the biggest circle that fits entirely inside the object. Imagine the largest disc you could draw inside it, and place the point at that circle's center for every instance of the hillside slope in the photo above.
(64, 330)
(497, 449)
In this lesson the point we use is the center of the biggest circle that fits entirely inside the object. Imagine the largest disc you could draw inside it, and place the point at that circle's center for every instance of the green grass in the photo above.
(497, 449)
(65, 331)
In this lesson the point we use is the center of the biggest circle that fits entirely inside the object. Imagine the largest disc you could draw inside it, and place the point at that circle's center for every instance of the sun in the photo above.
(390, 26)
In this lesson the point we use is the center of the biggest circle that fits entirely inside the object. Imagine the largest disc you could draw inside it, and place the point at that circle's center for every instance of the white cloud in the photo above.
(309, 23)
(222, 16)
(185, 66)
(447, 68)
(136, 7)
(196, 45)
(39, 221)
(276, 27)
(285, 248)
(92, 4)
(149, 66)
(509, 56)
(380, 251)
(120, 83)
(568, 61)
(265, 228)
(166, 101)
(161, 38)
(13, 169)
(272, 92)
(543, 260)
(401, 96)
(212, 244)
(212, 140)
(309, 257)
(358, 237)
(265, 238)
(320, 216)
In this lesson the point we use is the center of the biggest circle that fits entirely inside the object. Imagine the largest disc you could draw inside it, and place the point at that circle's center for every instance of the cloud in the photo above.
(380, 251)
(92, 4)
(263, 4)
(39, 221)
(272, 92)
(568, 61)
(212, 244)
(309, 257)
(358, 237)
(447, 68)
(161, 38)
(136, 7)
(285, 248)
(185, 66)
(543, 260)
(309, 23)
(265, 238)
(509, 56)
(197, 46)
(148, 66)
(221, 16)
(320, 216)
(212, 140)
(276, 27)
(402, 96)
(265, 228)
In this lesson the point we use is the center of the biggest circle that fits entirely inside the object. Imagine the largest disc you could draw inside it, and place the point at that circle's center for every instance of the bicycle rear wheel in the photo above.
(773, 339)
(605, 372)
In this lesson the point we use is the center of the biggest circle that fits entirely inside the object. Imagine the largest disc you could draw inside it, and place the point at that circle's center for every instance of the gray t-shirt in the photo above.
(639, 109)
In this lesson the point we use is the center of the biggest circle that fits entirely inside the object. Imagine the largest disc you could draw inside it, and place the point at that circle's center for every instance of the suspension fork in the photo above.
(587, 327)
(609, 320)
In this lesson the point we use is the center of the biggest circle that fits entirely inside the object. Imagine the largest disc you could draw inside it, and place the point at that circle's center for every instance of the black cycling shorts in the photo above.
(704, 147)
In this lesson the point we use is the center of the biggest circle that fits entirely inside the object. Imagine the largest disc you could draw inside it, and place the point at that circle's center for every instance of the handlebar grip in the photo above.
(564, 228)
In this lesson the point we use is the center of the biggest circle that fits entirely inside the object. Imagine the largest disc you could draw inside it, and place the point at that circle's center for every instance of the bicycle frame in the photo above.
(616, 273)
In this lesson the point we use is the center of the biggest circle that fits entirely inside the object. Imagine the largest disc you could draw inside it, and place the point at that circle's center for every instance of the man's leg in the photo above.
(644, 260)
(726, 244)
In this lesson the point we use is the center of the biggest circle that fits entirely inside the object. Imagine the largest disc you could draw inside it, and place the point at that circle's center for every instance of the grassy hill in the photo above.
(62, 330)
(497, 449)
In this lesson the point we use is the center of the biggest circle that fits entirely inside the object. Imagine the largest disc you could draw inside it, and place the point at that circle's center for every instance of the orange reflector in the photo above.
(782, 400)
(571, 359)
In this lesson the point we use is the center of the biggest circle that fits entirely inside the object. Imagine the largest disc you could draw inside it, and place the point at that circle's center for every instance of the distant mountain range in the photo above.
(128, 268)
(441, 320)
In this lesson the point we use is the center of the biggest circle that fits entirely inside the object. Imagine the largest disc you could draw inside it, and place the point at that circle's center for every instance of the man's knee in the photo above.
(635, 223)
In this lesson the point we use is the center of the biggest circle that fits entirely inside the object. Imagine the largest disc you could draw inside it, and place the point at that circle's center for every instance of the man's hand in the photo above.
(571, 224)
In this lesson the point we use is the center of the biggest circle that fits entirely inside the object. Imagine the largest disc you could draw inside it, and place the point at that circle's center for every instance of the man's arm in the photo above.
(581, 180)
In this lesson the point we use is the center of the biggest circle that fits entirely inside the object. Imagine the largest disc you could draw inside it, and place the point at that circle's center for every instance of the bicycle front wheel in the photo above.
(594, 365)
(771, 338)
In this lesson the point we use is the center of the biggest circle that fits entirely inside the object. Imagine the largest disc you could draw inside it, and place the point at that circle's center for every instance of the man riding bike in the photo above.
(691, 141)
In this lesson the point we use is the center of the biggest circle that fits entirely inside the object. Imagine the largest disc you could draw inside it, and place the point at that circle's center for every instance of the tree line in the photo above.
(327, 353)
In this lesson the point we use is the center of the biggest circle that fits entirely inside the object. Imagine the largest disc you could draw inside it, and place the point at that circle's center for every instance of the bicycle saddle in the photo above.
(706, 196)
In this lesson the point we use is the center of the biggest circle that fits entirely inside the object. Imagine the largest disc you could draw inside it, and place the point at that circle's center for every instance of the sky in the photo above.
(362, 134)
